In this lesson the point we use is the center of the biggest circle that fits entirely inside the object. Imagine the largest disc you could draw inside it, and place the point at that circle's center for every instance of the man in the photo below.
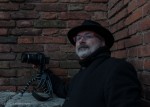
(102, 81)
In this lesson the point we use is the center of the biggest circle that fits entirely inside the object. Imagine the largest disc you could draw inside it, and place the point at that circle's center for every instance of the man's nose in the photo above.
(82, 40)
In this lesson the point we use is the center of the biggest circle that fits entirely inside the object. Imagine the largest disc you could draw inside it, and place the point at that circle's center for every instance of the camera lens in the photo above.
(37, 58)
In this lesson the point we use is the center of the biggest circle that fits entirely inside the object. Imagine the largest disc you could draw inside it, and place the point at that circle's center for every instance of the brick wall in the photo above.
(41, 26)
(130, 22)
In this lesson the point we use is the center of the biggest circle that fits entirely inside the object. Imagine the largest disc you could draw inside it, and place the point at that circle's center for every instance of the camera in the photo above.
(34, 58)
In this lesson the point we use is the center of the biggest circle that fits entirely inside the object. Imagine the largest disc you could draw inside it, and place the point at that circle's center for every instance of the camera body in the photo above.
(34, 58)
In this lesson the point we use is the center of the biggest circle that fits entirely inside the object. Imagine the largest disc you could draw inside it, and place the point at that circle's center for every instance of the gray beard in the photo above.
(84, 51)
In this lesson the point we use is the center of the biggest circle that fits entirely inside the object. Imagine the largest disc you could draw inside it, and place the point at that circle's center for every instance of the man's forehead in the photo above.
(85, 31)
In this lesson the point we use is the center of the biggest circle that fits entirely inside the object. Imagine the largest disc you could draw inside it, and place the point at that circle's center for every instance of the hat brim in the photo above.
(103, 32)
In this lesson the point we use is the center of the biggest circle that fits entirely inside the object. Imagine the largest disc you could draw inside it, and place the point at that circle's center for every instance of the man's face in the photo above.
(87, 42)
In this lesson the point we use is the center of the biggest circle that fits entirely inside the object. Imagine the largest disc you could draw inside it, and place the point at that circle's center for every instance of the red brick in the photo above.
(126, 2)
(26, 47)
(116, 9)
(99, 16)
(74, 15)
(120, 24)
(59, 71)
(25, 72)
(132, 52)
(48, 7)
(144, 51)
(9, 6)
(120, 44)
(8, 88)
(65, 1)
(146, 64)
(3, 31)
(96, 7)
(132, 6)
(4, 48)
(134, 28)
(133, 41)
(120, 54)
(4, 15)
(75, 7)
(63, 32)
(30, 88)
(7, 56)
(67, 48)
(19, 64)
(24, 15)
(51, 47)
(69, 64)
(27, 6)
(25, 39)
(114, 47)
(141, 2)
(144, 24)
(147, 37)
(20, 81)
(121, 34)
(7, 72)
(7, 23)
(58, 55)
(146, 8)
(72, 56)
(137, 14)
(111, 3)
(49, 1)
(78, 1)
(17, 1)
(49, 39)
(104, 23)
(118, 16)
(48, 15)
(99, 1)
(4, 1)
(26, 32)
(53, 64)
(73, 23)
(4, 64)
(49, 31)
(24, 23)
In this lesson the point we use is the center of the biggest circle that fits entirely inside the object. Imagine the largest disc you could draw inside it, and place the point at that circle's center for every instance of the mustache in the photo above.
(82, 46)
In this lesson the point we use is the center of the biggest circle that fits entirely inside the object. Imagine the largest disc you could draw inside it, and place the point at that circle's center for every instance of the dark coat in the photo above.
(101, 82)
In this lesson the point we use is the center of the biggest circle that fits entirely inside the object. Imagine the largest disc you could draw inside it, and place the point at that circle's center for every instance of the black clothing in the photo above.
(101, 82)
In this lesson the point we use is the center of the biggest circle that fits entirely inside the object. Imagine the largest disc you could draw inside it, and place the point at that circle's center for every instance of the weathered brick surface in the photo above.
(74, 15)
(9, 6)
(49, 24)
(51, 7)
(4, 15)
(42, 26)
(24, 15)
(130, 23)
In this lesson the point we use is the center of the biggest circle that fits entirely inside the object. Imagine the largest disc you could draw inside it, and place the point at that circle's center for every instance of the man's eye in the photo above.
(88, 36)
(78, 38)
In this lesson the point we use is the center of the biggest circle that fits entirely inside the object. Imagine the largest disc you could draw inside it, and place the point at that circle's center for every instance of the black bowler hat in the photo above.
(92, 26)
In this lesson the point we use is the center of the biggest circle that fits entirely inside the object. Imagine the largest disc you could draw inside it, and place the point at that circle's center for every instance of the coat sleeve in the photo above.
(122, 87)
(59, 86)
